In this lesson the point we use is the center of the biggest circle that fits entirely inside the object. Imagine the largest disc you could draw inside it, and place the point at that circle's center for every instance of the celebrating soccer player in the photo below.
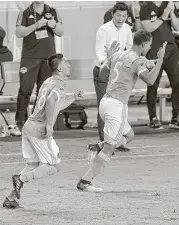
(38, 146)
(126, 67)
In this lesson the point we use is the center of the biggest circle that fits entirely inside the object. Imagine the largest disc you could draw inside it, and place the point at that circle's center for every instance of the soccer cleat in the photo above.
(4, 132)
(84, 185)
(155, 123)
(10, 204)
(174, 124)
(17, 184)
(94, 148)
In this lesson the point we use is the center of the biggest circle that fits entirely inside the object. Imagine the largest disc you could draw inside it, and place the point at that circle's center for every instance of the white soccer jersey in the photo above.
(36, 123)
(126, 66)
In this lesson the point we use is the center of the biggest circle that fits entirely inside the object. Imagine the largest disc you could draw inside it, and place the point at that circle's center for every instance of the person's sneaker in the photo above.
(155, 123)
(122, 148)
(14, 130)
(10, 204)
(84, 185)
(4, 131)
(174, 124)
(17, 184)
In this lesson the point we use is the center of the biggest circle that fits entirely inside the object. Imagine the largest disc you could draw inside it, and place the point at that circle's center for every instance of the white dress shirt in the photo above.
(107, 34)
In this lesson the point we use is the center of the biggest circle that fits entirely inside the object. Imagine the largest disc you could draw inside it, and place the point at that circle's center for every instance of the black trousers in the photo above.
(31, 71)
(100, 79)
(171, 66)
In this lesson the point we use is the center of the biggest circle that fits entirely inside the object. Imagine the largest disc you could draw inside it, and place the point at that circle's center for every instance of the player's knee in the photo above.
(130, 136)
(29, 167)
(110, 142)
(48, 169)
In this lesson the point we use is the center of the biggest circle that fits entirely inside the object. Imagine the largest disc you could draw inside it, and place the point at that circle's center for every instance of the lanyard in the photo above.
(35, 15)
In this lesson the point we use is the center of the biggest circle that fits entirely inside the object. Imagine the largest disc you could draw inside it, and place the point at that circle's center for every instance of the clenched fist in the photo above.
(51, 23)
(79, 94)
(41, 23)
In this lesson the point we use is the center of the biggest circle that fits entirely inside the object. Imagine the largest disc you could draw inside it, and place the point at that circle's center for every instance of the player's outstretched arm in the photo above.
(78, 94)
(150, 77)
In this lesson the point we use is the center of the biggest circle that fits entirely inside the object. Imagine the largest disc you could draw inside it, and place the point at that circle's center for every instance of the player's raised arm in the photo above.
(111, 53)
(147, 76)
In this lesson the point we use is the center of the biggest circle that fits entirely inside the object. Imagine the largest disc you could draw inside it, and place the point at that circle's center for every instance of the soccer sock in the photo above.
(95, 169)
(42, 171)
(12, 195)
(99, 163)
(29, 167)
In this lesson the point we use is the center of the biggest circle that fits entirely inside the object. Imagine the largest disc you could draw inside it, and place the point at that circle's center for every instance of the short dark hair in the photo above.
(142, 36)
(53, 61)
(120, 6)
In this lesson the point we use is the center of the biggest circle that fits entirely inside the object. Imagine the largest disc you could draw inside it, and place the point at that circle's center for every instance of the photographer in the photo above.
(36, 25)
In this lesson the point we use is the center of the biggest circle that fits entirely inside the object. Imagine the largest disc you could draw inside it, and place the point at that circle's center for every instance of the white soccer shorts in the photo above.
(40, 150)
(114, 114)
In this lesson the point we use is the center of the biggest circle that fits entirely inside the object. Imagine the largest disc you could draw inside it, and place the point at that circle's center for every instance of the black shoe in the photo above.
(68, 126)
(155, 123)
(122, 149)
(94, 148)
(80, 127)
(174, 124)
(10, 204)
(17, 184)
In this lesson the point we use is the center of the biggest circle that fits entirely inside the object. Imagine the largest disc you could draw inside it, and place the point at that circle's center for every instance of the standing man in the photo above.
(133, 17)
(37, 25)
(159, 18)
(114, 30)
(126, 67)
(133, 20)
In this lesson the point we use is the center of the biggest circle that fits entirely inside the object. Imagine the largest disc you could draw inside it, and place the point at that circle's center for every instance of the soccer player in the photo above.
(125, 66)
(38, 146)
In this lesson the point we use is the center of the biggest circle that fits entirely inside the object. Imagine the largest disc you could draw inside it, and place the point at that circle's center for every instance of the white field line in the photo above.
(115, 157)
(134, 147)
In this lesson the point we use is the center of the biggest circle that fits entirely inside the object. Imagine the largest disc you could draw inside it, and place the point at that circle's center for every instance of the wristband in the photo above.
(160, 18)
